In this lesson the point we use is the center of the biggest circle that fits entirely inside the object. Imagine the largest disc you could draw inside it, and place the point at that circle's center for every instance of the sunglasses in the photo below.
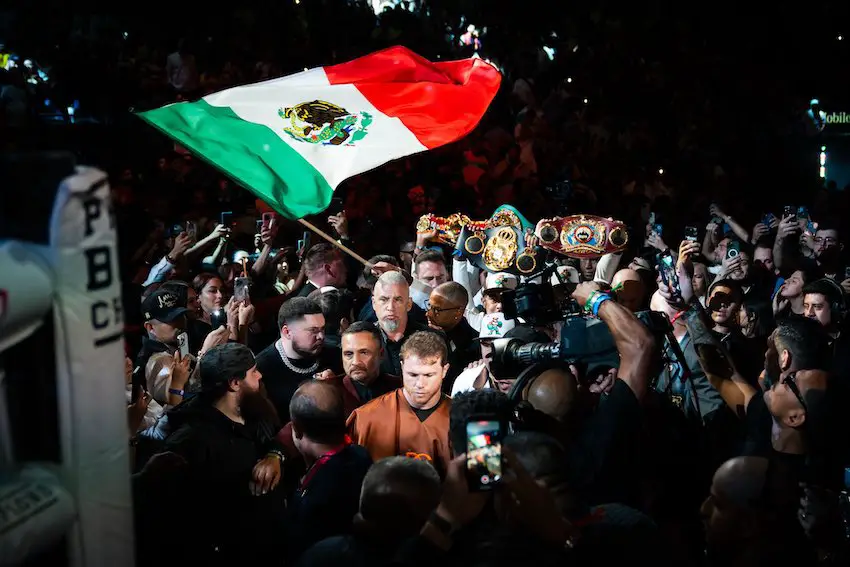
(791, 382)
(438, 310)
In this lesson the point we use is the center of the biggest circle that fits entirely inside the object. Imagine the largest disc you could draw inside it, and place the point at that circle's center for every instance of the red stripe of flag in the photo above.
(437, 102)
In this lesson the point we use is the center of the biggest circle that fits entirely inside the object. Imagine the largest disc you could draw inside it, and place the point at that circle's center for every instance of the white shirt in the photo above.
(465, 381)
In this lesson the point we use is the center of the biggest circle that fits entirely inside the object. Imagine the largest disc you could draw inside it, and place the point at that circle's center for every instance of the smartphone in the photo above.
(259, 226)
(767, 219)
(218, 318)
(192, 230)
(810, 227)
(652, 218)
(733, 249)
(304, 243)
(183, 342)
(336, 206)
(241, 289)
(667, 271)
(484, 452)
(691, 233)
(788, 211)
(847, 273)
(176, 230)
(227, 219)
(658, 229)
(802, 213)
(268, 220)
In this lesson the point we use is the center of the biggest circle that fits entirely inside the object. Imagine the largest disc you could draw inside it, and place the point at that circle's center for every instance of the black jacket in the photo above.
(215, 501)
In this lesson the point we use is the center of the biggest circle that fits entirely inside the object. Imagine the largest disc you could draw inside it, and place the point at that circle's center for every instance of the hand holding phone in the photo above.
(691, 233)
(183, 342)
(733, 249)
(227, 219)
(241, 289)
(484, 436)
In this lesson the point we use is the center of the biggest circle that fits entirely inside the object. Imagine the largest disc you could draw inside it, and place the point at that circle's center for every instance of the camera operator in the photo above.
(608, 441)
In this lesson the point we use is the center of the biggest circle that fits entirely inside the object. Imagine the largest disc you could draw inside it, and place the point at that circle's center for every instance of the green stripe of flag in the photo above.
(252, 154)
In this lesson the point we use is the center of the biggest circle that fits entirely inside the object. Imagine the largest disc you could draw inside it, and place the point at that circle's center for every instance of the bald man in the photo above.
(630, 289)
(446, 307)
(746, 521)
(554, 392)
(328, 496)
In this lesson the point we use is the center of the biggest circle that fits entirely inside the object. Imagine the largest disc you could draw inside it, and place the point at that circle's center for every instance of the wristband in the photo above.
(176, 392)
(590, 299)
(597, 302)
(278, 454)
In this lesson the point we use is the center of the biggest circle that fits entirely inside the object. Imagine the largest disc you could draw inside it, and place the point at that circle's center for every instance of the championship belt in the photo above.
(447, 228)
(498, 244)
(582, 236)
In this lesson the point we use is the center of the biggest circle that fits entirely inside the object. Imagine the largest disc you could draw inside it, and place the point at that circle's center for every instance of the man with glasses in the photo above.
(446, 307)
(298, 355)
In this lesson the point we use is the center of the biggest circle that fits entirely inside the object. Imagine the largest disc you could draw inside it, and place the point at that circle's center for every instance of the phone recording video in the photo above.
(691, 233)
(667, 271)
(227, 219)
(192, 230)
(733, 249)
(788, 211)
(183, 342)
(218, 318)
(241, 289)
(802, 213)
(483, 452)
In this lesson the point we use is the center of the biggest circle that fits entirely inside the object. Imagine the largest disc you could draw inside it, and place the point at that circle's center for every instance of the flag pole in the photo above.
(336, 243)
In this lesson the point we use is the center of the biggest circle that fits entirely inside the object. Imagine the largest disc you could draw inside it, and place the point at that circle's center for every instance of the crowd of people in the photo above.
(287, 403)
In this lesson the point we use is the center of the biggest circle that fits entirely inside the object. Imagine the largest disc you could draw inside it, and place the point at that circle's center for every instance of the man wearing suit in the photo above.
(324, 267)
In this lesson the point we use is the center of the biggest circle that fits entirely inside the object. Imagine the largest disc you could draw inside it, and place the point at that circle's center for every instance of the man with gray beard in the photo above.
(392, 303)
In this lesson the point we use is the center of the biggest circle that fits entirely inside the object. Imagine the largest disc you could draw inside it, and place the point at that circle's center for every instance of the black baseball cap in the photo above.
(225, 362)
(163, 305)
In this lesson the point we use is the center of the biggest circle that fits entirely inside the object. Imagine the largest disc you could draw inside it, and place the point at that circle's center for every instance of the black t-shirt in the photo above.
(758, 443)
(281, 382)
(605, 455)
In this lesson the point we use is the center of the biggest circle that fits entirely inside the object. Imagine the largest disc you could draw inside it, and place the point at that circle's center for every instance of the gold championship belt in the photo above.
(447, 228)
(497, 244)
(582, 236)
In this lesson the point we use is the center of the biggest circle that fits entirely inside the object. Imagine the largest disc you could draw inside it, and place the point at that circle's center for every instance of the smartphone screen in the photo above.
(218, 318)
(847, 273)
(483, 453)
(183, 341)
(652, 218)
(227, 219)
(691, 233)
(241, 289)
(268, 220)
(260, 226)
(788, 211)
(667, 270)
(304, 243)
(192, 230)
(659, 230)
(802, 213)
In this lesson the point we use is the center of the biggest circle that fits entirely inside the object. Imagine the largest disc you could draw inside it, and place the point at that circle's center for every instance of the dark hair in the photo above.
(201, 281)
(150, 289)
(765, 241)
(296, 309)
(368, 276)
(829, 289)
(365, 327)
(430, 256)
(733, 285)
(807, 342)
(425, 344)
(322, 419)
(762, 310)
(336, 305)
(476, 402)
(319, 255)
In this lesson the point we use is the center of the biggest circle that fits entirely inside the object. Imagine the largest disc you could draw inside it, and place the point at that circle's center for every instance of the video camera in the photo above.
(541, 303)
(585, 343)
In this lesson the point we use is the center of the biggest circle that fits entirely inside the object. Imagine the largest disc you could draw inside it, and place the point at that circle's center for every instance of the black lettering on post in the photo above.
(91, 208)
(118, 308)
(100, 315)
(99, 267)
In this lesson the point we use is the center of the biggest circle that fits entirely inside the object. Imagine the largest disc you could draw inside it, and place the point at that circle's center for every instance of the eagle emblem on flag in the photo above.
(324, 123)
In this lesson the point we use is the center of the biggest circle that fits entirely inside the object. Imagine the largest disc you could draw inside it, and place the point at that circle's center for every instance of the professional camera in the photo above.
(541, 303)
(586, 343)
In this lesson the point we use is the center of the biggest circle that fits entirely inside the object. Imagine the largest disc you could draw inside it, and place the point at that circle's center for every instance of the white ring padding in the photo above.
(36, 511)
(26, 291)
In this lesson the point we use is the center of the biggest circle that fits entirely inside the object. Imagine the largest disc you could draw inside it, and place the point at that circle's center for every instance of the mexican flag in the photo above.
(294, 139)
